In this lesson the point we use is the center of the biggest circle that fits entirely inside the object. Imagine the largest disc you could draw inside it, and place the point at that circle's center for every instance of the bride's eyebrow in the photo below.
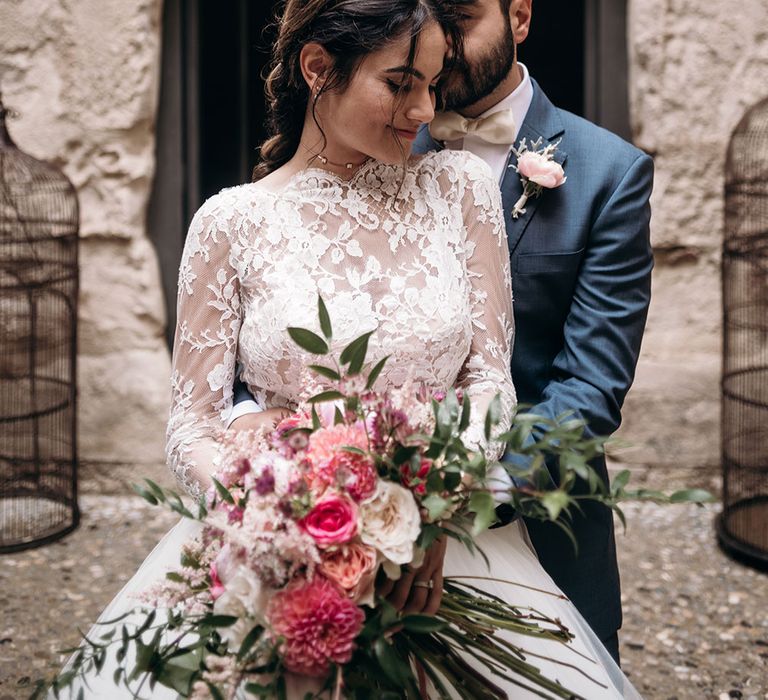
(408, 70)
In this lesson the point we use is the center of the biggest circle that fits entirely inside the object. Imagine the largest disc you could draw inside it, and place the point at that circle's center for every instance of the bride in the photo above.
(411, 247)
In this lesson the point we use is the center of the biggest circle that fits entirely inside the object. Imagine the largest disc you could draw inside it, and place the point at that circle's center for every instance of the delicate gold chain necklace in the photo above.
(348, 166)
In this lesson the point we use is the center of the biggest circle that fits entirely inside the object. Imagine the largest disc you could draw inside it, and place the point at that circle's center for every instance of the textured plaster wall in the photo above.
(83, 74)
(695, 67)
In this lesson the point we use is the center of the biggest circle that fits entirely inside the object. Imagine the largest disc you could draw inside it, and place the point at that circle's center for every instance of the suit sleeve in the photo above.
(604, 327)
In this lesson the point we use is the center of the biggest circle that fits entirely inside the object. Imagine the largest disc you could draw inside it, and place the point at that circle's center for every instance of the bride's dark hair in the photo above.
(348, 30)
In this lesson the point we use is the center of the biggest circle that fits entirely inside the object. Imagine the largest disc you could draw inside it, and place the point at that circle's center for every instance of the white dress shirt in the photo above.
(497, 155)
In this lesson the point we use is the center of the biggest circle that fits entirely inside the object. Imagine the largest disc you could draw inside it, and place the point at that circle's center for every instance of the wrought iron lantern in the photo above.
(38, 317)
(743, 525)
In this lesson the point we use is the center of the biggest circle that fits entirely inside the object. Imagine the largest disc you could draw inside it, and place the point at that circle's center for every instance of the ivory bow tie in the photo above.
(498, 127)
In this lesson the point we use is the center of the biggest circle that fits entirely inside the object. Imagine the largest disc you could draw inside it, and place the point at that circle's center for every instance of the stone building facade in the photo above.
(695, 69)
(85, 76)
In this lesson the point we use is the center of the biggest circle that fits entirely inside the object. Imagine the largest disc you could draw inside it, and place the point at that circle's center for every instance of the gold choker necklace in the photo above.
(348, 166)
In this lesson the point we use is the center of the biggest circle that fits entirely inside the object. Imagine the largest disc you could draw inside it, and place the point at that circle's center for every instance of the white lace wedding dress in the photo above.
(417, 255)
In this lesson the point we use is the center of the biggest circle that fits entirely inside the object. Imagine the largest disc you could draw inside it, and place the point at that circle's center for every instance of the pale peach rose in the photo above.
(391, 524)
(353, 568)
(541, 170)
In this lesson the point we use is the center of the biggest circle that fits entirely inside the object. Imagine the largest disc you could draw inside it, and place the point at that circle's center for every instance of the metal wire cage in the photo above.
(38, 319)
(742, 527)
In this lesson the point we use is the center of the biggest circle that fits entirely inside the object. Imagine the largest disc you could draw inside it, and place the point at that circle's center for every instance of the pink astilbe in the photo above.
(317, 624)
(273, 547)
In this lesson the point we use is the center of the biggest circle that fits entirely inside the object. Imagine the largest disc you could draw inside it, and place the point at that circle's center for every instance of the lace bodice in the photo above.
(417, 255)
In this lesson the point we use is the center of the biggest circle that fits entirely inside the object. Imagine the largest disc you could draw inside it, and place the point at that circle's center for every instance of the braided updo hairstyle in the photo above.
(348, 30)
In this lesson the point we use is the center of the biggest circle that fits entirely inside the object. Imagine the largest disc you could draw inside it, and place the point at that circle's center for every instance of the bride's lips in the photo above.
(407, 133)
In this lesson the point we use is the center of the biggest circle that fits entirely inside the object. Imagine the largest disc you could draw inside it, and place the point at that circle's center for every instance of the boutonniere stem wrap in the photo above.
(538, 171)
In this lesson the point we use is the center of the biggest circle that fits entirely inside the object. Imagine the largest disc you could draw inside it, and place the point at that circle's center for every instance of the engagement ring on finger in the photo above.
(424, 584)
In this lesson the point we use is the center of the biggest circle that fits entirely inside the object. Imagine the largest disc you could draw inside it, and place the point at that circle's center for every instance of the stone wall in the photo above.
(84, 77)
(695, 67)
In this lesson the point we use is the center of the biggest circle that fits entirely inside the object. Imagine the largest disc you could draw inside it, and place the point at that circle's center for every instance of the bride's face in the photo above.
(379, 112)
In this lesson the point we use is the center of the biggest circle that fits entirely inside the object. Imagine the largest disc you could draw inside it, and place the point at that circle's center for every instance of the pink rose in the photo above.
(353, 568)
(539, 169)
(333, 520)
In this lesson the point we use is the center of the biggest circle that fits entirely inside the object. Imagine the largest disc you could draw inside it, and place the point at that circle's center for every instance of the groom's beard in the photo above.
(469, 83)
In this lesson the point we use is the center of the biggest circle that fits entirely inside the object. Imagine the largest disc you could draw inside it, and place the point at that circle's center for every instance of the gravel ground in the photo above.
(696, 623)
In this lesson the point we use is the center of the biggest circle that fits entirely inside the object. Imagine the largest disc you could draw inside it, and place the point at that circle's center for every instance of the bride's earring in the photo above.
(316, 92)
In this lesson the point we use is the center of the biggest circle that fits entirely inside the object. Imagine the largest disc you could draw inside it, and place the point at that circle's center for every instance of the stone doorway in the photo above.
(211, 115)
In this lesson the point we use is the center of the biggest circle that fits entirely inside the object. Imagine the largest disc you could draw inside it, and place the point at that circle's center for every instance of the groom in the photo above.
(581, 267)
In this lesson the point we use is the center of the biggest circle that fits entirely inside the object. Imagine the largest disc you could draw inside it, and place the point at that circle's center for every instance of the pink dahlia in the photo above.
(317, 623)
(332, 465)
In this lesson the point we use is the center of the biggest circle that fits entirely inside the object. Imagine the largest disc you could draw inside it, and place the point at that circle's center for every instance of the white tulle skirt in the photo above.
(583, 666)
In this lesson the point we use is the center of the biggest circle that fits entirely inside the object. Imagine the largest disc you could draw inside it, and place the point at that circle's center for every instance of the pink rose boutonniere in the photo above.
(538, 171)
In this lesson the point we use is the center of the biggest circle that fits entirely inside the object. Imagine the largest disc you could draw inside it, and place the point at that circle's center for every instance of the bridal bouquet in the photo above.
(303, 519)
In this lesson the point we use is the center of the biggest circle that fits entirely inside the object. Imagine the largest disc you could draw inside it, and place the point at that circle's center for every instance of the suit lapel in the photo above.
(541, 122)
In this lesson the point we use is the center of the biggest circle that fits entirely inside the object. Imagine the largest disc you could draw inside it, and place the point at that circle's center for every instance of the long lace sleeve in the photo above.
(205, 347)
(486, 371)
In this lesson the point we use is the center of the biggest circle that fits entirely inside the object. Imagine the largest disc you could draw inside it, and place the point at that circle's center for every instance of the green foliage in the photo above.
(551, 465)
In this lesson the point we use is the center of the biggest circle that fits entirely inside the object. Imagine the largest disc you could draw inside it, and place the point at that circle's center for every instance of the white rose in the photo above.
(391, 523)
(245, 598)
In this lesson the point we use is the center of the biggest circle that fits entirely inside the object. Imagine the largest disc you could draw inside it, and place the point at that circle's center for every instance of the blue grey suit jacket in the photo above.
(581, 279)
(581, 268)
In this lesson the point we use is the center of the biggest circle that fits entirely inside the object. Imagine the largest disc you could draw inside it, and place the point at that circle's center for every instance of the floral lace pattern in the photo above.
(417, 255)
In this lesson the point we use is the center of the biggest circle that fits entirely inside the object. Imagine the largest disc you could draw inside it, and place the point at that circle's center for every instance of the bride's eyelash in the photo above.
(396, 87)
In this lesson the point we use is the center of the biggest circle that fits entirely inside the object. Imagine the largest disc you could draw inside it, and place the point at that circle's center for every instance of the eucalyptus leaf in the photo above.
(466, 410)
(348, 352)
(327, 372)
(692, 496)
(357, 359)
(435, 505)
(220, 620)
(325, 319)
(620, 480)
(422, 624)
(145, 494)
(391, 663)
(156, 490)
(223, 491)
(250, 639)
(554, 502)
(332, 395)
(375, 372)
(482, 504)
(309, 341)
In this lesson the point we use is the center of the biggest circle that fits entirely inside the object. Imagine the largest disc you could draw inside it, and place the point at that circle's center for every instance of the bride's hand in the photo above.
(419, 590)
(264, 419)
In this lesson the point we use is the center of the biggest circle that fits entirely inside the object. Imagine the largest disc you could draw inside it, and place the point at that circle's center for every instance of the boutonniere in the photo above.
(538, 171)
